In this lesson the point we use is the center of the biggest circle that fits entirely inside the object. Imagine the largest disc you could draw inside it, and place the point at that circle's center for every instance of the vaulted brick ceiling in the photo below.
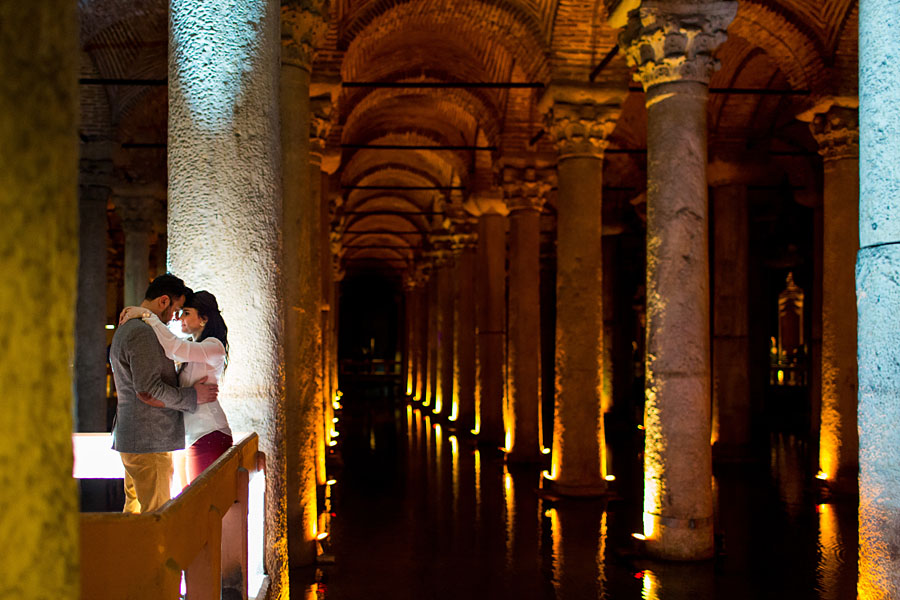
(804, 46)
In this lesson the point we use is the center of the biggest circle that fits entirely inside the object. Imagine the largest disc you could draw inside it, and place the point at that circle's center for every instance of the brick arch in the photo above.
(442, 164)
(411, 174)
(390, 200)
(498, 33)
(797, 53)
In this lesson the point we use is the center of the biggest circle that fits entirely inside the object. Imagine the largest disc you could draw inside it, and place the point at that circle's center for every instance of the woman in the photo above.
(205, 354)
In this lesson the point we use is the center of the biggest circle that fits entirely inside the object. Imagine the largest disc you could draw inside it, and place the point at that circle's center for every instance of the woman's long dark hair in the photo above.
(206, 306)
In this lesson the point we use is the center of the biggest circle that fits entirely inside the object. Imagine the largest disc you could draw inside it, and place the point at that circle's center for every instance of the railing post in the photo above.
(204, 574)
(234, 537)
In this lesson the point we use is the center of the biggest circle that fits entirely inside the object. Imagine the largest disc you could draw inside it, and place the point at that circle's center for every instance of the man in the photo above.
(145, 435)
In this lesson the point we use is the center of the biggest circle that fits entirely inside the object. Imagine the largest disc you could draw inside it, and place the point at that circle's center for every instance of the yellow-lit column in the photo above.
(464, 249)
(409, 335)
(431, 340)
(672, 45)
(95, 173)
(303, 458)
(446, 331)
(525, 195)
(316, 218)
(491, 315)
(835, 125)
(39, 263)
(579, 119)
(423, 273)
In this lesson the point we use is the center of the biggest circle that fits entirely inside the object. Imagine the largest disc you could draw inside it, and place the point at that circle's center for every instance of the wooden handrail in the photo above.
(141, 557)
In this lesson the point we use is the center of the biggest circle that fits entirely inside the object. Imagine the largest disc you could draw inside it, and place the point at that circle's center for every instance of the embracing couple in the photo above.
(160, 409)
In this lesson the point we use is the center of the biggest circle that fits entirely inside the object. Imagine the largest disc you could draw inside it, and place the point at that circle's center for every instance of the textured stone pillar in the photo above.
(525, 195)
(579, 120)
(446, 326)
(95, 172)
(431, 339)
(314, 226)
(39, 262)
(878, 300)
(303, 459)
(409, 335)
(491, 314)
(465, 248)
(423, 273)
(224, 221)
(672, 46)
(731, 323)
(835, 125)
(136, 206)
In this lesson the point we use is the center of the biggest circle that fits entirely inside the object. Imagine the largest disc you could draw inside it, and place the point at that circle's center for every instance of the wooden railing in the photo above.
(202, 531)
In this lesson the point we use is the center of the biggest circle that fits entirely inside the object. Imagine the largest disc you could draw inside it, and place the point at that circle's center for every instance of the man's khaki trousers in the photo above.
(148, 480)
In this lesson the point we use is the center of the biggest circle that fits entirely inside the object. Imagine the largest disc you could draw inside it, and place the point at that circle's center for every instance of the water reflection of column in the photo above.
(523, 527)
(578, 533)
(836, 569)
(677, 458)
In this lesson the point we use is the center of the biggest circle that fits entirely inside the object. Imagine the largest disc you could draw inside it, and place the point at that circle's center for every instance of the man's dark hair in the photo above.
(167, 285)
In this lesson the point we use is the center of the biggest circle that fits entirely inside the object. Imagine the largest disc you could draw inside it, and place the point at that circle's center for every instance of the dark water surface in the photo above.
(420, 513)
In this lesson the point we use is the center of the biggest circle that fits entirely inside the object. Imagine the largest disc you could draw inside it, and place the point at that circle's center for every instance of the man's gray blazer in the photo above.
(139, 364)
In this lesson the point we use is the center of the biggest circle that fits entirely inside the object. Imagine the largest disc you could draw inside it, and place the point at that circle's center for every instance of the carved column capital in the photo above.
(834, 123)
(525, 188)
(303, 25)
(580, 118)
(321, 109)
(675, 42)
(464, 241)
(139, 208)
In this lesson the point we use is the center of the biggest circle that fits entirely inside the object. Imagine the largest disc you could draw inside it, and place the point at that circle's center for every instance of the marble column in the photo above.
(525, 194)
(303, 457)
(39, 262)
(731, 323)
(409, 335)
(464, 339)
(446, 330)
(678, 506)
(315, 219)
(95, 173)
(579, 119)
(224, 226)
(878, 300)
(491, 317)
(835, 125)
(423, 274)
(136, 205)
(431, 338)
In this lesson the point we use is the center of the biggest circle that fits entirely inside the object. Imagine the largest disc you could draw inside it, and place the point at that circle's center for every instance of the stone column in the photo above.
(423, 273)
(337, 275)
(303, 458)
(315, 226)
(835, 125)
(731, 323)
(409, 335)
(878, 300)
(446, 330)
(432, 371)
(464, 342)
(579, 119)
(95, 173)
(672, 46)
(39, 262)
(224, 225)
(525, 195)
(491, 315)
(136, 206)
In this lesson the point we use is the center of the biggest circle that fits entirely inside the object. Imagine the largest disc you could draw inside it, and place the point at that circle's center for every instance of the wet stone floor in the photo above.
(420, 513)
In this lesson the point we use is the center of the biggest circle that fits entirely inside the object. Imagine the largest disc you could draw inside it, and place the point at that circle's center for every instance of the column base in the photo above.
(679, 539)
(594, 490)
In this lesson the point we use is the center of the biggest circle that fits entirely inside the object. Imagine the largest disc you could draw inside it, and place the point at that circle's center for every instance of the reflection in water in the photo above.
(435, 517)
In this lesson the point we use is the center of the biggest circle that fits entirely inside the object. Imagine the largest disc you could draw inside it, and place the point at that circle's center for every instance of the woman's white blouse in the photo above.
(202, 359)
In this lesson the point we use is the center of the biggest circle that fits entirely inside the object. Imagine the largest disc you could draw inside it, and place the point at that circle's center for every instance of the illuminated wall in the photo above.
(39, 261)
